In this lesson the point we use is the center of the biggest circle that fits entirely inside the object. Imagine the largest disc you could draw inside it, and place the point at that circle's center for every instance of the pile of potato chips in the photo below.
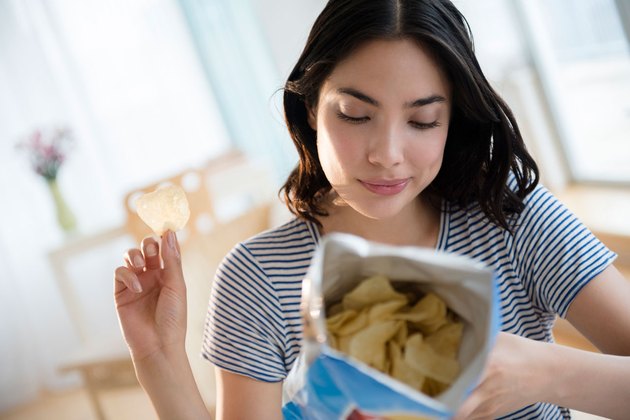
(410, 336)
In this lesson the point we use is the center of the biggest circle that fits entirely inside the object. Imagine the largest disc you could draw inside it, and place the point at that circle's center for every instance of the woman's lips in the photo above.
(385, 187)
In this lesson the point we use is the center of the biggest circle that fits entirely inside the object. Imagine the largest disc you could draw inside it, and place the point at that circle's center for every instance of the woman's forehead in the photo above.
(389, 66)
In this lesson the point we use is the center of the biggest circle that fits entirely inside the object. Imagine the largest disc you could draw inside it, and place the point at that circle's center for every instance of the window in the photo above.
(581, 52)
(138, 71)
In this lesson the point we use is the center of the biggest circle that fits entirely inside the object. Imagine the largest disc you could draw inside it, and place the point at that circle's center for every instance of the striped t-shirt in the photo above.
(253, 326)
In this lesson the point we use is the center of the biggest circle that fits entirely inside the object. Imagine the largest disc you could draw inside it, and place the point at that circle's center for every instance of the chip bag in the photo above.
(359, 359)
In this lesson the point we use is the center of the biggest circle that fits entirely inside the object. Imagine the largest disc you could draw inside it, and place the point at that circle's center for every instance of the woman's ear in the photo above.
(311, 116)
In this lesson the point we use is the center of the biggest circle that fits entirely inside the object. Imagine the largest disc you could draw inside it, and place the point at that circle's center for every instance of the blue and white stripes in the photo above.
(540, 269)
(254, 327)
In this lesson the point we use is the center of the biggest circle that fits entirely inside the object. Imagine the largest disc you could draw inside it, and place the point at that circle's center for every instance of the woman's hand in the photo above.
(150, 296)
(510, 381)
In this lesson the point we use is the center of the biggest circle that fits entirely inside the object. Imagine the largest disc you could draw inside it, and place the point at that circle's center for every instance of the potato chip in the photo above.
(335, 322)
(333, 341)
(401, 336)
(353, 321)
(344, 343)
(428, 315)
(334, 309)
(164, 209)
(399, 368)
(385, 310)
(446, 340)
(433, 387)
(372, 290)
(422, 358)
(368, 345)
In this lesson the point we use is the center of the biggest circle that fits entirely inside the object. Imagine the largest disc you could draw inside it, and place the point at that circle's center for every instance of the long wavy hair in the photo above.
(484, 144)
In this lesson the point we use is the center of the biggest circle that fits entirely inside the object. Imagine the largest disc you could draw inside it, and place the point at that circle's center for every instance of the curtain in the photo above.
(623, 7)
(238, 62)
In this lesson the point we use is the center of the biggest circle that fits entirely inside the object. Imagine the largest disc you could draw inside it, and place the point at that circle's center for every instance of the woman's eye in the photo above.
(354, 120)
(423, 125)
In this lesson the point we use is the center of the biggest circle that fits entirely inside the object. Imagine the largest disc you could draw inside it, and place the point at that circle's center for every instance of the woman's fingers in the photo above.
(135, 260)
(126, 279)
(151, 251)
(171, 257)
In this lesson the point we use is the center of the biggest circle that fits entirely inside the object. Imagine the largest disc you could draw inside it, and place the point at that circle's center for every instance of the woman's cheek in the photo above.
(342, 138)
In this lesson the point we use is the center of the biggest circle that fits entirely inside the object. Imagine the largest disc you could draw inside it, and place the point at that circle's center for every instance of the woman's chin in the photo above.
(381, 213)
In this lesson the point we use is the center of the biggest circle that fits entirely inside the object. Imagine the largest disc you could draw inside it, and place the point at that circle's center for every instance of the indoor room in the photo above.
(103, 101)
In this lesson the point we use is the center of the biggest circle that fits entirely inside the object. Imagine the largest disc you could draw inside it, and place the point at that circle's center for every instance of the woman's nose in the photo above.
(386, 147)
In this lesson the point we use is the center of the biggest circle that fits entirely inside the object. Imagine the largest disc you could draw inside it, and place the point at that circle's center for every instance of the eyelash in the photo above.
(424, 126)
(350, 119)
(354, 120)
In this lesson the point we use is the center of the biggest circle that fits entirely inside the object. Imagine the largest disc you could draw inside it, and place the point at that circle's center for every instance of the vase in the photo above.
(65, 217)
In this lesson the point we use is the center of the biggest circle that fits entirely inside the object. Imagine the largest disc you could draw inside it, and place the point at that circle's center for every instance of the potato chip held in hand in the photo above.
(164, 209)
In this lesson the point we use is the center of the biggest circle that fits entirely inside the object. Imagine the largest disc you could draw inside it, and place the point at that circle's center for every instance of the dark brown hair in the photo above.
(484, 145)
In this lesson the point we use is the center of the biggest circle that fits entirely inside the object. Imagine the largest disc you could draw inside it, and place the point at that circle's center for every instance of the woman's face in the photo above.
(382, 120)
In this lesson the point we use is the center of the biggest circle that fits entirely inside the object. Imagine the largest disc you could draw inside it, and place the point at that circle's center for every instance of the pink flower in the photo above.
(47, 150)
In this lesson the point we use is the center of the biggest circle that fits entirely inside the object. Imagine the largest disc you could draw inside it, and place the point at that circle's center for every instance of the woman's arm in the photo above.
(601, 312)
(521, 371)
(150, 296)
(240, 397)
(598, 383)
(168, 380)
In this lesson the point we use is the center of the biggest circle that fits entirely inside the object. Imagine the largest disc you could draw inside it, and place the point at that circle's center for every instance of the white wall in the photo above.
(286, 24)
(498, 43)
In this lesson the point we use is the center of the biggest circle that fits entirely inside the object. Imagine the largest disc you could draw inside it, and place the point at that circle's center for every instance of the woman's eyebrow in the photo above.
(425, 101)
(412, 104)
(359, 95)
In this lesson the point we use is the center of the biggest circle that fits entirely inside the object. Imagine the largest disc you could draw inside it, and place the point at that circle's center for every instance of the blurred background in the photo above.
(101, 100)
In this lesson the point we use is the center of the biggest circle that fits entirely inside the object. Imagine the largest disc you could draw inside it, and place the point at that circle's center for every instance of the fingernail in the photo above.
(170, 239)
(151, 250)
(138, 261)
(135, 285)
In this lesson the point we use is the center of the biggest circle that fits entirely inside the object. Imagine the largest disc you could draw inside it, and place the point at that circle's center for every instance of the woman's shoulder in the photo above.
(293, 233)
(267, 269)
(540, 204)
(290, 239)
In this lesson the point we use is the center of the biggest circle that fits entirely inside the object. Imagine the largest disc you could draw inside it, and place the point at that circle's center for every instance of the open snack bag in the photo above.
(390, 332)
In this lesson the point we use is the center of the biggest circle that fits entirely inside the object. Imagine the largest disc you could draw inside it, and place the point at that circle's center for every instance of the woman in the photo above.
(401, 140)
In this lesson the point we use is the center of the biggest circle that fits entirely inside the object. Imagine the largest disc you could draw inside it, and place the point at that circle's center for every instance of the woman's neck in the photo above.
(418, 225)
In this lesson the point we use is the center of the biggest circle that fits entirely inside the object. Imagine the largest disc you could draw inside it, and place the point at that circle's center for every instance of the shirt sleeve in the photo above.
(244, 331)
(559, 254)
